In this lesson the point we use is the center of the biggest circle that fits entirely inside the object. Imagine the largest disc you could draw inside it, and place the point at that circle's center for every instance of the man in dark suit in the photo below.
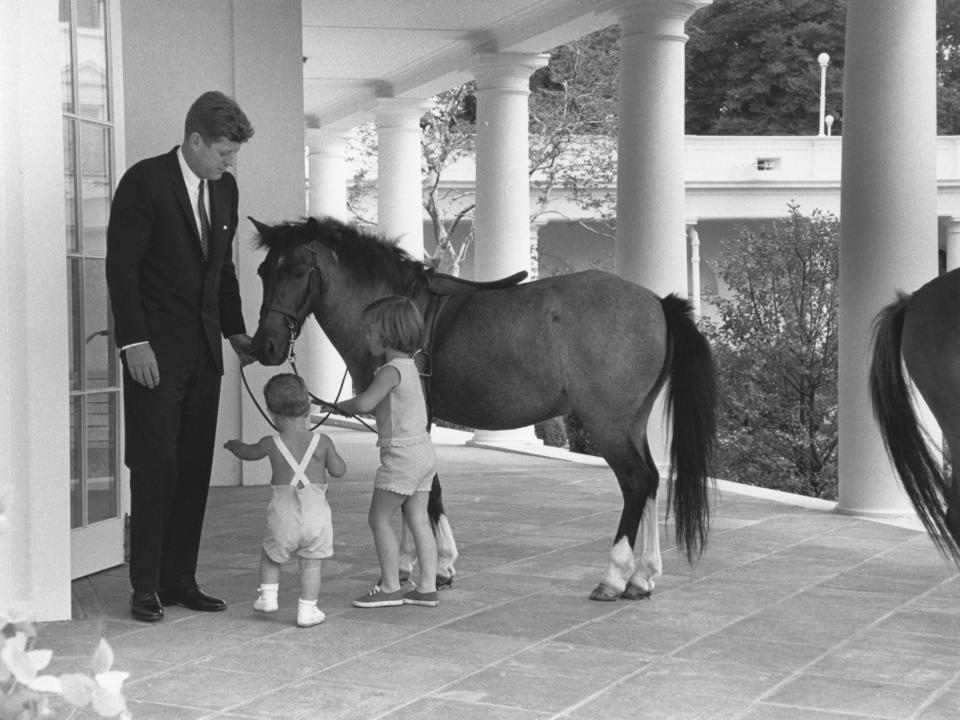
(174, 292)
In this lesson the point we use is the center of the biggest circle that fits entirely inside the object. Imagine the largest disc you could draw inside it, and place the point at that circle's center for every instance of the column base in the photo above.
(525, 436)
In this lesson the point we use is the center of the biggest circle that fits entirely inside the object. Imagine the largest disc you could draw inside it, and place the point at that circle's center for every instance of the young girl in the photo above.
(408, 460)
(298, 517)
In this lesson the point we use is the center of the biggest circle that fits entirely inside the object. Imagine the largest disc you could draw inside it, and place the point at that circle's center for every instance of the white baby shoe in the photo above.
(308, 614)
(267, 602)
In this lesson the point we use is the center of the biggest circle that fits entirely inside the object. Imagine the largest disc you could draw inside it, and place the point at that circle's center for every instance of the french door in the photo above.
(98, 499)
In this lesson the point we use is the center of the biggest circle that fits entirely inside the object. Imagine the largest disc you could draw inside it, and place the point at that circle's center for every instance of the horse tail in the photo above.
(691, 403)
(435, 502)
(920, 474)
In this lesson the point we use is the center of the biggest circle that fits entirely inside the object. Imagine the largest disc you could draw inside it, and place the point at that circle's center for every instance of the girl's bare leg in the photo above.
(415, 507)
(382, 509)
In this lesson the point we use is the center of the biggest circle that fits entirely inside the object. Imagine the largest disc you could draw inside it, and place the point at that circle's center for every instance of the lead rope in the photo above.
(292, 359)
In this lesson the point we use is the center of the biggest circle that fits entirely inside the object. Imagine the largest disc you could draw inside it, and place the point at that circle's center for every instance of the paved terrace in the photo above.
(794, 613)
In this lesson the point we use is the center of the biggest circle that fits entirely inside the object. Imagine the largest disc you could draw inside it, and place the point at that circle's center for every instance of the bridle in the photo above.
(295, 316)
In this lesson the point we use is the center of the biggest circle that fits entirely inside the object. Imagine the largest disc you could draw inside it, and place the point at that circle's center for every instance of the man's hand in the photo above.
(243, 346)
(142, 365)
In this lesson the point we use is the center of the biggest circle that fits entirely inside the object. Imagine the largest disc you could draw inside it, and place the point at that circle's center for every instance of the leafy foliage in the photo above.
(752, 66)
(776, 344)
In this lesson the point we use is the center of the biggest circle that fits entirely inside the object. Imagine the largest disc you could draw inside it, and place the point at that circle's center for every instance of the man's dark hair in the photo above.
(215, 115)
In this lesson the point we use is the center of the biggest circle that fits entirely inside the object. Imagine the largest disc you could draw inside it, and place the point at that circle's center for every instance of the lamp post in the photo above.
(824, 60)
(829, 121)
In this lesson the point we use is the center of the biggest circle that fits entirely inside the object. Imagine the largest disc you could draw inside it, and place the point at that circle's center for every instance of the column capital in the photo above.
(400, 112)
(326, 140)
(665, 18)
(509, 71)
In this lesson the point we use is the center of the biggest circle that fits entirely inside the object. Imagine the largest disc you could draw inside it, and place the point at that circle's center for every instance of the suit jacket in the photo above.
(161, 290)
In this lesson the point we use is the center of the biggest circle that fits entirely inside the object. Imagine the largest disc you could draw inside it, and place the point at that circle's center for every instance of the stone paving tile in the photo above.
(773, 711)
(522, 689)
(848, 695)
(634, 698)
(791, 613)
(198, 685)
(944, 707)
(454, 710)
(317, 698)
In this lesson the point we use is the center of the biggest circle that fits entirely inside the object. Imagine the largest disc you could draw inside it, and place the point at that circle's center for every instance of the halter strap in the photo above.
(299, 476)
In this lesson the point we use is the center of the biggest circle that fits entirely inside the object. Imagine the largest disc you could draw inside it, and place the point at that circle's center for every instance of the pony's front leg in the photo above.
(649, 562)
(446, 553)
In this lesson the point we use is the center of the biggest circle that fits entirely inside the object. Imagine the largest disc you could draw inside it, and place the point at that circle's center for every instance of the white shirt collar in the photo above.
(191, 179)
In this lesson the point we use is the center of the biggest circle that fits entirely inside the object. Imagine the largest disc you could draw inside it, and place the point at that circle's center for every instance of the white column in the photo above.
(694, 236)
(650, 243)
(888, 225)
(535, 228)
(399, 188)
(34, 359)
(326, 197)
(502, 217)
(952, 228)
(650, 174)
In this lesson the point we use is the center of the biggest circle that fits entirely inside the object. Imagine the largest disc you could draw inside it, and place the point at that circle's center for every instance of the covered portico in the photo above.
(330, 65)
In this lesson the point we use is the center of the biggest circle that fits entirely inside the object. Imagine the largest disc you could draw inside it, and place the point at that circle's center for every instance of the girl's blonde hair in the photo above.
(398, 321)
(286, 395)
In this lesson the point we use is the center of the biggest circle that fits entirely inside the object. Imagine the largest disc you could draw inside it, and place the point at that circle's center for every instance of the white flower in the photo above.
(102, 691)
(24, 664)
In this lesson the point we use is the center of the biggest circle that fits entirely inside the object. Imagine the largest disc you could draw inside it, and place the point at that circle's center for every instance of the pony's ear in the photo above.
(261, 228)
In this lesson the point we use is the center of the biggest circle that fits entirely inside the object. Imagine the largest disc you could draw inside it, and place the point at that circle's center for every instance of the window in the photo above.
(88, 134)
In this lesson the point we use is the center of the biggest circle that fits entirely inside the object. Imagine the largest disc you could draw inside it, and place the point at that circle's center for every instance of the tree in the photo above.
(948, 67)
(752, 66)
(776, 342)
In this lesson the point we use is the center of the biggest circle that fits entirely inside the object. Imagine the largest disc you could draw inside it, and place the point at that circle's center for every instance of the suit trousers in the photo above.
(170, 434)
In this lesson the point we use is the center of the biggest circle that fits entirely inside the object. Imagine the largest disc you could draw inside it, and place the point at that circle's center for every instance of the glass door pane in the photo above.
(102, 498)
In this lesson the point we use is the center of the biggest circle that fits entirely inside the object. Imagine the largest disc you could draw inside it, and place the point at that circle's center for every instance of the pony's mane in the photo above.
(367, 255)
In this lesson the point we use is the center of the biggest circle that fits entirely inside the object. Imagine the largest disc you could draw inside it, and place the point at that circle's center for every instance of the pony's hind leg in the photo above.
(623, 577)
(649, 564)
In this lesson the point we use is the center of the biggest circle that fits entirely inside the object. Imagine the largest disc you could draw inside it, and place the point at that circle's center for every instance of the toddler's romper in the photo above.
(298, 516)
(408, 460)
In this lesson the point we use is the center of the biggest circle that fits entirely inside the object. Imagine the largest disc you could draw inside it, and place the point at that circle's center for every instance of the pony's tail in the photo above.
(691, 402)
(920, 474)
(435, 502)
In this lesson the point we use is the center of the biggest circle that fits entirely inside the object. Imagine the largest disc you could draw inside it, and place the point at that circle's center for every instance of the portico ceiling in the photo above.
(360, 50)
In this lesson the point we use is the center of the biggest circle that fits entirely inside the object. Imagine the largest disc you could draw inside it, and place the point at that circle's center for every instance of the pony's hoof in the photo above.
(604, 593)
(444, 582)
(633, 592)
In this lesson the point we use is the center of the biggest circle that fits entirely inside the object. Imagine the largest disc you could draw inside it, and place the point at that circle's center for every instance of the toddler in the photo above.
(298, 516)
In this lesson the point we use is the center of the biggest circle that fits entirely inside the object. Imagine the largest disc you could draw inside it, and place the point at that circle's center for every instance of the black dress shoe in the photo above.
(146, 606)
(194, 599)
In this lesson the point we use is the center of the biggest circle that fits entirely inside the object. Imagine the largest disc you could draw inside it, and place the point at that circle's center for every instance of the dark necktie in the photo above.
(204, 225)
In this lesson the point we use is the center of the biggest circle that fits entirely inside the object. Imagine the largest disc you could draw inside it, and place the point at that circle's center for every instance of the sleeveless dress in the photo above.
(298, 517)
(408, 460)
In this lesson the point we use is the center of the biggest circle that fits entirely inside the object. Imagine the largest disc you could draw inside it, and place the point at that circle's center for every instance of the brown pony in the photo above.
(589, 342)
(924, 330)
